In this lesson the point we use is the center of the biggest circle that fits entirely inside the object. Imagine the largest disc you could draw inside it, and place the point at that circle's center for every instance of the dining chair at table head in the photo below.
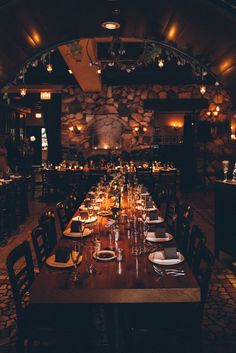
(47, 222)
(21, 276)
(64, 214)
(41, 245)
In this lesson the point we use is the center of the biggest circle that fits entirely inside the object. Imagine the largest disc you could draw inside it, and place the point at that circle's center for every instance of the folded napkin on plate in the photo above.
(87, 203)
(143, 189)
(153, 215)
(149, 203)
(62, 255)
(83, 214)
(160, 232)
(75, 227)
(170, 253)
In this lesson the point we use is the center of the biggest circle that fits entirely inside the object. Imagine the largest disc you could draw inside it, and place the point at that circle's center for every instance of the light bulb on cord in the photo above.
(160, 63)
(49, 67)
(202, 89)
(23, 91)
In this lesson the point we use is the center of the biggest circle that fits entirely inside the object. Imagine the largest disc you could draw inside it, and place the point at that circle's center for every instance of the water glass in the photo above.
(89, 260)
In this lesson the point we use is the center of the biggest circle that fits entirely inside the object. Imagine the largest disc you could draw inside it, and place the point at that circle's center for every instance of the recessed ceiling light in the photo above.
(111, 25)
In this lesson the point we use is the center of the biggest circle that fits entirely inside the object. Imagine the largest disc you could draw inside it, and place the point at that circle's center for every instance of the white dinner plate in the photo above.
(155, 221)
(89, 220)
(98, 255)
(158, 257)
(152, 237)
(105, 213)
(52, 263)
(68, 233)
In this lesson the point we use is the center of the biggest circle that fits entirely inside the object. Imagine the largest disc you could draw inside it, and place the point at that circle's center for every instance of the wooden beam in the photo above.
(86, 75)
(175, 104)
(35, 88)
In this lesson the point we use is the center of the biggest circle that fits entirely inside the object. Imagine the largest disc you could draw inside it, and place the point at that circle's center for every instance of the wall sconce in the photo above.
(45, 95)
(140, 130)
(38, 115)
(76, 129)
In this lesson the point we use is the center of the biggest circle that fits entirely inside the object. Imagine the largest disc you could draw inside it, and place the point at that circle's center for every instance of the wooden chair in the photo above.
(47, 222)
(41, 245)
(64, 214)
(37, 323)
(194, 247)
(203, 273)
(21, 281)
(184, 221)
(167, 185)
(171, 215)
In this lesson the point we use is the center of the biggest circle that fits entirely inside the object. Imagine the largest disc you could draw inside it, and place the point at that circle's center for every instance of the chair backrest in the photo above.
(171, 215)
(184, 221)
(64, 214)
(204, 271)
(21, 275)
(194, 251)
(41, 245)
(47, 222)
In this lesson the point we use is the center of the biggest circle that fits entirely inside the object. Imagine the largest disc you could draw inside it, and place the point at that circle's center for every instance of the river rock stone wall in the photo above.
(92, 122)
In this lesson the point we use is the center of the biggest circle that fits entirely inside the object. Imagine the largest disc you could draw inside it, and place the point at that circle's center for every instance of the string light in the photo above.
(202, 89)
(49, 65)
(23, 91)
(160, 63)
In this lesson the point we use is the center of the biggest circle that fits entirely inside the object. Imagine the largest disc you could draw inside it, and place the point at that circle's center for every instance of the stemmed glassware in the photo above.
(76, 252)
(225, 168)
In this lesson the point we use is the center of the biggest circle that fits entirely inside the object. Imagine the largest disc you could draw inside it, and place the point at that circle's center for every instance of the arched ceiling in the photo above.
(28, 27)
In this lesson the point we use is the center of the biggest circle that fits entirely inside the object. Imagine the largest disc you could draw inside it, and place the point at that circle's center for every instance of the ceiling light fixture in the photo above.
(111, 25)
(70, 71)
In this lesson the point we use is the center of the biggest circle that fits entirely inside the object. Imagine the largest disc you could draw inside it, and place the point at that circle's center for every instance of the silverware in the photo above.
(170, 272)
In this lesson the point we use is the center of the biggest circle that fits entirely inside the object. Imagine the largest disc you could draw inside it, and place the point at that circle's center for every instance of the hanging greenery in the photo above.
(152, 52)
(75, 50)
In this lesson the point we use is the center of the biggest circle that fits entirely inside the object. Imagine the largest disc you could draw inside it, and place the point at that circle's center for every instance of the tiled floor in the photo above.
(219, 322)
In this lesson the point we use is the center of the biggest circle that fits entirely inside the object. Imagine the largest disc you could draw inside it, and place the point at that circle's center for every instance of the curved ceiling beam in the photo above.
(28, 27)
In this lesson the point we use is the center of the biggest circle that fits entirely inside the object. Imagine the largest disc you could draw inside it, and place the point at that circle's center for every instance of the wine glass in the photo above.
(75, 254)
(225, 168)
(145, 235)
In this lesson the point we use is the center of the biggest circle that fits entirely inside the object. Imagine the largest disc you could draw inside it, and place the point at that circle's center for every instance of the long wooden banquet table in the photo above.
(132, 281)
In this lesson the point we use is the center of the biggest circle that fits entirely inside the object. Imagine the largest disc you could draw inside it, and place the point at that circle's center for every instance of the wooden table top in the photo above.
(131, 281)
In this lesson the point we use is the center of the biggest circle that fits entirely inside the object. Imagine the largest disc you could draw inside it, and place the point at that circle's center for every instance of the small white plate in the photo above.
(89, 220)
(139, 208)
(158, 257)
(152, 237)
(52, 263)
(98, 255)
(154, 221)
(68, 233)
